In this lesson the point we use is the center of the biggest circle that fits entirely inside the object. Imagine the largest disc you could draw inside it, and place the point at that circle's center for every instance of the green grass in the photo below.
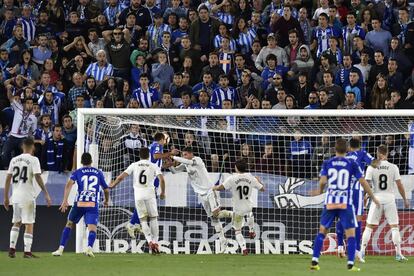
(194, 265)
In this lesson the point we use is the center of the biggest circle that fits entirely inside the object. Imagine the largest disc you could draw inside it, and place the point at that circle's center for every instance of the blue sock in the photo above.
(358, 236)
(135, 218)
(351, 249)
(340, 233)
(317, 245)
(65, 236)
(91, 238)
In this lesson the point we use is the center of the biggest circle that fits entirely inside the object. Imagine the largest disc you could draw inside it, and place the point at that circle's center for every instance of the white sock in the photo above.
(250, 222)
(28, 240)
(396, 239)
(366, 236)
(219, 230)
(340, 248)
(14, 235)
(146, 230)
(225, 214)
(240, 240)
(155, 230)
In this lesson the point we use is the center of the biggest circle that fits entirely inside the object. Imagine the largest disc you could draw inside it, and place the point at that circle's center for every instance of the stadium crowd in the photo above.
(57, 56)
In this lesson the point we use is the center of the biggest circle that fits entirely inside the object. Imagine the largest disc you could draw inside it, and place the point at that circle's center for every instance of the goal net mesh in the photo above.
(285, 152)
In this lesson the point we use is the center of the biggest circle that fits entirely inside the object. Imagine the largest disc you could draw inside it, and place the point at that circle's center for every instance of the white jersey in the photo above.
(24, 123)
(22, 168)
(241, 186)
(145, 174)
(198, 174)
(383, 180)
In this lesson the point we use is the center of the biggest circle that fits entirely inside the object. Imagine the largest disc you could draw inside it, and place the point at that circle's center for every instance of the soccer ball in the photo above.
(167, 138)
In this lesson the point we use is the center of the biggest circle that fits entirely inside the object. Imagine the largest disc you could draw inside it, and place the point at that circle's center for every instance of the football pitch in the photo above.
(194, 265)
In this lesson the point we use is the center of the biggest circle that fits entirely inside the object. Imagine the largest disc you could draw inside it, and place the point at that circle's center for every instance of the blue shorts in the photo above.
(90, 214)
(358, 201)
(346, 216)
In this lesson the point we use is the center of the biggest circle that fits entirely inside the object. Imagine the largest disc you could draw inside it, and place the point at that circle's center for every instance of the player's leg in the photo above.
(358, 236)
(133, 225)
(28, 219)
(141, 208)
(373, 219)
(152, 211)
(358, 202)
(250, 224)
(391, 214)
(349, 222)
(91, 239)
(64, 237)
(15, 229)
(237, 225)
(327, 217)
(212, 209)
(340, 239)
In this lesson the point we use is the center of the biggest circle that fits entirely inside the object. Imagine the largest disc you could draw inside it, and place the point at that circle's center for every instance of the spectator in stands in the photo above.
(42, 133)
(101, 69)
(397, 52)
(50, 104)
(247, 154)
(313, 100)
(16, 44)
(207, 84)
(398, 102)
(55, 155)
(213, 67)
(79, 103)
(278, 102)
(146, 96)
(271, 48)
(364, 65)
(379, 92)
(292, 49)
(324, 102)
(224, 92)
(323, 150)
(350, 101)
(303, 63)
(167, 101)
(379, 67)
(321, 34)
(335, 92)
(305, 25)
(356, 86)
(162, 72)
(302, 89)
(285, 24)
(394, 78)
(300, 155)
(378, 38)
(134, 141)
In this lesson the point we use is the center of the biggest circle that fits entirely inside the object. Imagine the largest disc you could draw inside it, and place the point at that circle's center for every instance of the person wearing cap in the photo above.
(271, 48)
(156, 30)
(143, 15)
(202, 32)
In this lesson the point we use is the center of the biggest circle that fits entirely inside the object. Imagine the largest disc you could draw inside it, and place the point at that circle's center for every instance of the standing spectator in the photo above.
(271, 48)
(313, 101)
(207, 84)
(224, 92)
(7, 25)
(162, 72)
(378, 38)
(44, 26)
(244, 36)
(379, 67)
(394, 78)
(364, 66)
(335, 92)
(156, 30)
(285, 24)
(323, 8)
(356, 86)
(146, 96)
(24, 124)
(16, 45)
(119, 51)
(101, 69)
(54, 154)
(112, 11)
(40, 134)
(300, 153)
(69, 132)
(324, 102)
(50, 104)
(79, 103)
(305, 25)
(213, 67)
(133, 142)
(41, 52)
(321, 34)
(96, 43)
(28, 23)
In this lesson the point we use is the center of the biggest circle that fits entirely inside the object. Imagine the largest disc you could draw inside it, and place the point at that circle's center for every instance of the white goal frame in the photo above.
(82, 112)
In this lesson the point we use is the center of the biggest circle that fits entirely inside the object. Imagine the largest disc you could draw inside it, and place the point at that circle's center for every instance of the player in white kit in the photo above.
(144, 174)
(202, 186)
(241, 185)
(21, 171)
(384, 180)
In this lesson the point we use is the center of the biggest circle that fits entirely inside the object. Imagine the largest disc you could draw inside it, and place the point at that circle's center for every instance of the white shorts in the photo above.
(210, 202)
(147, 208)
(24, 212)
(389, 210)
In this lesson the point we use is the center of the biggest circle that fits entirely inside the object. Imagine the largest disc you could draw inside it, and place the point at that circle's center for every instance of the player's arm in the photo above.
(322, 183)
(6, 201)
(64, 206)
(120, 177)
(260, 184)
(218, 187)
(368, 190)
(162, 185)
(106, 195)
(179, 168)
(184, 161)
(401, 190)
(164, 155)
(42, 186)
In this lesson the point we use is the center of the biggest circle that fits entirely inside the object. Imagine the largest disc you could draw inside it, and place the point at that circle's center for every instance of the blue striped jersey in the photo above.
(90, 181)
(98, 72)
(154, 148)
(220, 94)
(339, 172)
(226, 61)
(322, 38)
(411, 130)
(155, 35)
(111, 14)
(217, 43)
(226, 18)
(29, 28)
(348, 34)
(146, 99)
(363, 159)
(245, 40)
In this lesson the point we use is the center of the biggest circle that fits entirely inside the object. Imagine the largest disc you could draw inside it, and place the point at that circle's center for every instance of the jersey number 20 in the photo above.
(341, 178)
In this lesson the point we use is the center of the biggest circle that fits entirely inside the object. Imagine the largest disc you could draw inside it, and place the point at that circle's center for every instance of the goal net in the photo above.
(285, 148)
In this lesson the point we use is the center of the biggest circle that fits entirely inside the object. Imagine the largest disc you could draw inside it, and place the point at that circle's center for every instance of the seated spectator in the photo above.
(350, 101)
(224, 92)
(246, 153)
(271, 48)
(270, 70)
(355, 86)
(279, 102)
(324, 102)
(79, 103)
(303, 63)
(394, 78)
(166, 101)
(139, 66)
(313, 101)
(207, 84)
(213, 67)
(146, 96)
(162, 72)
(101, 69)
(378, 38)
(379, 92)
(398, 102)
(204, 101)
(42, 51)
(185, 101)
(54, 154)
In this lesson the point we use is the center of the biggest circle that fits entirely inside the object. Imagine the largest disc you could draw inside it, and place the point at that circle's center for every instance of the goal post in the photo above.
(285, 148)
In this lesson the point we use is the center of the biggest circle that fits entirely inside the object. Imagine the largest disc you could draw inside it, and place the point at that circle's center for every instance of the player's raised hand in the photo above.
(64, 206)
(6, 204)
(48, 200)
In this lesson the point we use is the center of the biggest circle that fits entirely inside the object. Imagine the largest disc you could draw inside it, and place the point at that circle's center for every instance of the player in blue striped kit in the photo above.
(363, 159)
(337, 172)
(90, 182)
(156, 155)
